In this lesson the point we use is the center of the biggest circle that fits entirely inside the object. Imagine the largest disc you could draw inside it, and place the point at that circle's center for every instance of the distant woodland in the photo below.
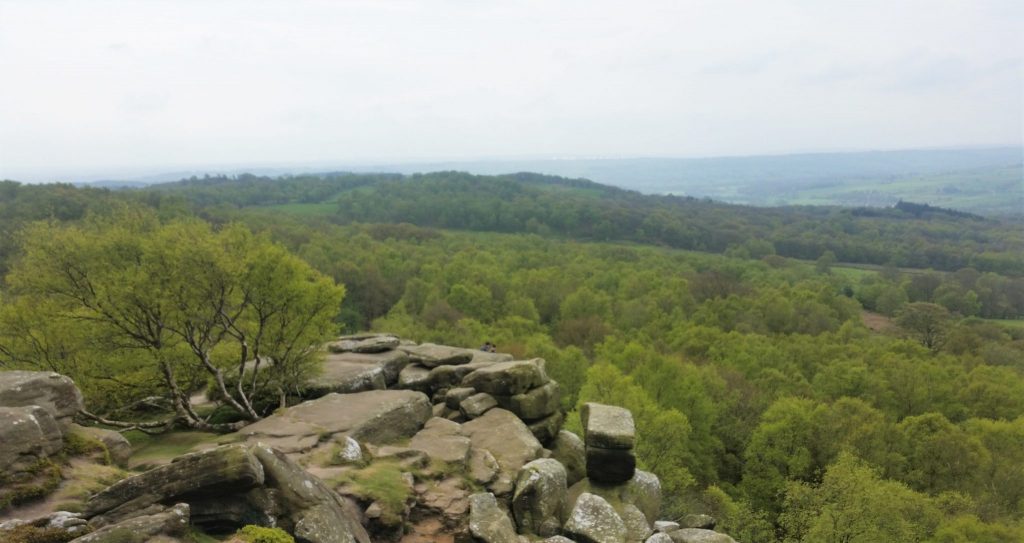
(801, 373)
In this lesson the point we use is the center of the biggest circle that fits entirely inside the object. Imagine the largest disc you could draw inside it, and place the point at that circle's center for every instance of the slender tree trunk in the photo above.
(218, 376)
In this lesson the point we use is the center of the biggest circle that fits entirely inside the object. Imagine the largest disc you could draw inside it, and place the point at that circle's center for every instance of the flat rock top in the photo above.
(431, 355)
(338, 413)
(365, 358)
(341, 367)
(508, 378)
(608, 426)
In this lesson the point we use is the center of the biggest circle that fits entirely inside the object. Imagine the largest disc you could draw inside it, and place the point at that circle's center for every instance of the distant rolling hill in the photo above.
(987, 181)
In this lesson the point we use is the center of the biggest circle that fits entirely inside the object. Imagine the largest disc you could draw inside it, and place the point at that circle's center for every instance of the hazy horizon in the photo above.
(116, 89)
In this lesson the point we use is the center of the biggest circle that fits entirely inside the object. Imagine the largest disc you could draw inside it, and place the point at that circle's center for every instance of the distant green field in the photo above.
(852, 273)
(990, 191)
(1009, 323)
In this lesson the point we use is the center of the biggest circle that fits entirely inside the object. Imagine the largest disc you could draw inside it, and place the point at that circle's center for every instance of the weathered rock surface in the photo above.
(535, 403)
(340, 374)
(490, 358)
(311, 510)
(567, 448)
(547, 428)
(431, 355)
(228, 487)
(476, 405)
(442, 440)
(172, 522)
(666, 526)
(376, 343)
(510, 442)
(390, 362)
(659, 538)
(642, 491)
(593, 520)
(51, 391)
(443, 377)
(637, 526)
(454, 396)
(483, 467)
(27, 434)
(697, 535)
(607, 426)
(539, 501)
(508, 378)
(117, 446)
(228, 467)
(377, 416)
(487, 522)
(414, 377)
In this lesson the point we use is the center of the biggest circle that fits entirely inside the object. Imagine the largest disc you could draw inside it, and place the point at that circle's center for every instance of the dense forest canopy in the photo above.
(803, 374)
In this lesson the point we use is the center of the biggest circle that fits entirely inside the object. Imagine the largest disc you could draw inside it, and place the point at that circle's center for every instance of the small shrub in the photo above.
(381, 482)
(78, 444)
(261, 534)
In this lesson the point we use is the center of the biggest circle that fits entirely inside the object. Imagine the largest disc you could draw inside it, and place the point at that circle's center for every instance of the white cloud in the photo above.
(95, 86)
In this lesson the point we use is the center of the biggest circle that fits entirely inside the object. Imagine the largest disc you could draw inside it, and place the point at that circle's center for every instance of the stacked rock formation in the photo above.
(609, 434)
(474, 438)
(36, 416)
(522, 387)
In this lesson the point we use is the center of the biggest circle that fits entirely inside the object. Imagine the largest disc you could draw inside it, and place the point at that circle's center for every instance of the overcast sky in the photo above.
(91, 87)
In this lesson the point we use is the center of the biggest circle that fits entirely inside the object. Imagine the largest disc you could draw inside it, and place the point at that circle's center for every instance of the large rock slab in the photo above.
(487, 522)
(340, 374)
(593, 520)
(507, 439)
(484, 357)
(539, 501)
(371, 343)
(307, 507)
(508, 378)
(430, 355)
(172, 522)
(607, 426)
(51, 391)
(390, 362)
(376, 416)
(27, 435)
(228, 487)
(442, 440)
(414, 377)
(226, 468)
